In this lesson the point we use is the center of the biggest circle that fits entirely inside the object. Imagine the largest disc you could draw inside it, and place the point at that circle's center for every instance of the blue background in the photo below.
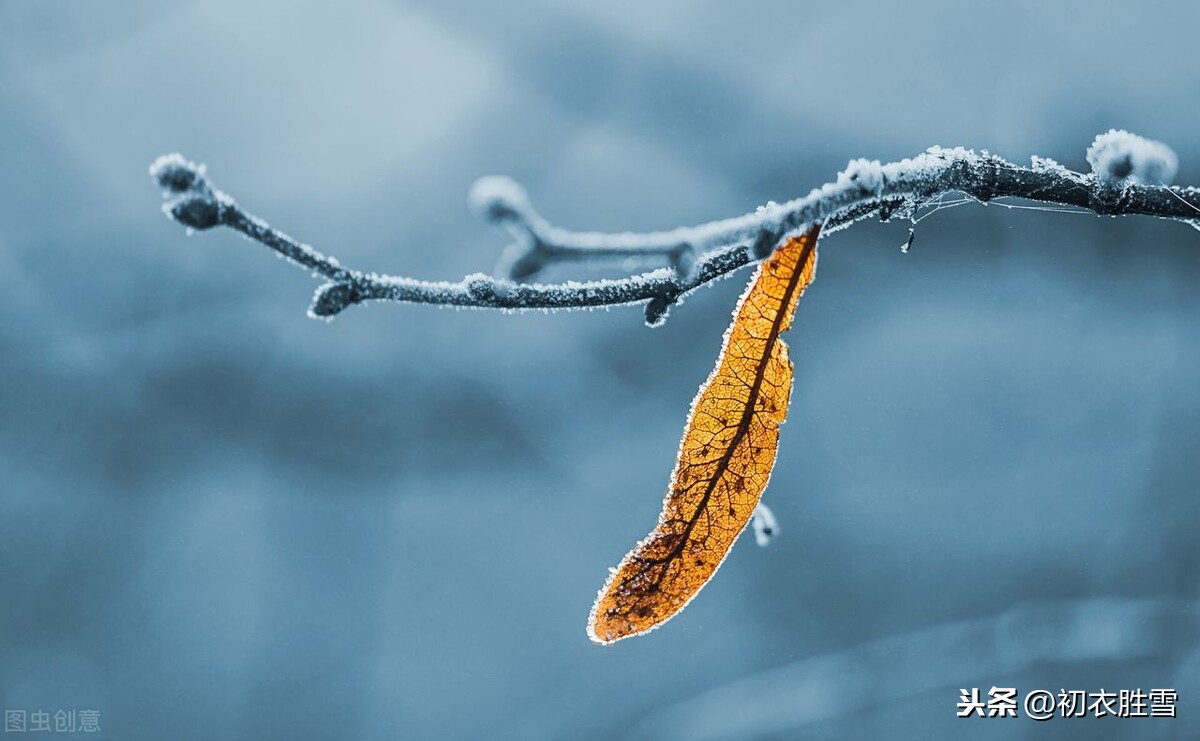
(220, 519)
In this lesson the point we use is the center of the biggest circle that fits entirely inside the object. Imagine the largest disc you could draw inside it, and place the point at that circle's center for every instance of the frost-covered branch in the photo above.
(1129, 175)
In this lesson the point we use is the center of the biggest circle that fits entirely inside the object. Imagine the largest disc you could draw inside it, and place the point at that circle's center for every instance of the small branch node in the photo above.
(1119, 156)
(886, 210)
(683, 261)
(484, 288)
(659, 306)
(330, 299)
(765, 243)
(866, 174)
(176, 173)
(500, 200)
(522, 260)
(764, 524)
(503, 202)
(190, 198)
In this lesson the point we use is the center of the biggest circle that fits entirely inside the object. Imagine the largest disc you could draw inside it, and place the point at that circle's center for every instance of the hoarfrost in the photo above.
(1043, 164)
(1119, 155)
(868, 174)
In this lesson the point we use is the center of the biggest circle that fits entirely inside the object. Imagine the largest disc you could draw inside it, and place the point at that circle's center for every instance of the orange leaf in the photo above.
(725, 457)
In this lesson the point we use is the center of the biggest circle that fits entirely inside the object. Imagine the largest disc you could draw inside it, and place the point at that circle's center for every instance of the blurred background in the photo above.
(220, 519)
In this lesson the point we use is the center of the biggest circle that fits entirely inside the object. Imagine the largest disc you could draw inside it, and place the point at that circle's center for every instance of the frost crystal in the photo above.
(1043, 164)
(1120, 155)
(867, 173)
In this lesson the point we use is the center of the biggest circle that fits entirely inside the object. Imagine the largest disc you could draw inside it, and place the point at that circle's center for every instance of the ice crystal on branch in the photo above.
(1120, 155)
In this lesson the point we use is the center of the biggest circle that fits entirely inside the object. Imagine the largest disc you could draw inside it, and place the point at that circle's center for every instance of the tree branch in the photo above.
(1130, 175)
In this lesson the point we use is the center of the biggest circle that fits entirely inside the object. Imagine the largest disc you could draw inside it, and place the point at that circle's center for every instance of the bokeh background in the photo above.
(220, 519)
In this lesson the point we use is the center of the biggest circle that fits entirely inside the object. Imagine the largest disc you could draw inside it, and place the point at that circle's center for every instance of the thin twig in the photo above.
(1128, 176)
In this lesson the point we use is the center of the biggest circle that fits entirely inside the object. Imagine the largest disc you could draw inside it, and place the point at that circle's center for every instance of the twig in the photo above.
(1129, 176)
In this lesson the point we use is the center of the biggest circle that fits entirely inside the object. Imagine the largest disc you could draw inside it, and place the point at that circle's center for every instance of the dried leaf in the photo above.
(725, 457)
